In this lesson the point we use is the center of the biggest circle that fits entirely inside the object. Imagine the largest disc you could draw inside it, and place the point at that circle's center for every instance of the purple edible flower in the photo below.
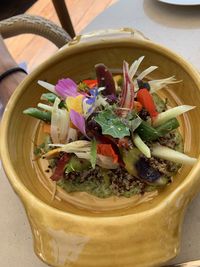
(78, 120)
(94, 93)
(66, 87)
(111, 98)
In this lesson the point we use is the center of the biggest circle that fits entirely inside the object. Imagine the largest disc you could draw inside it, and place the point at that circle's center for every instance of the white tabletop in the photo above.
(177, 28)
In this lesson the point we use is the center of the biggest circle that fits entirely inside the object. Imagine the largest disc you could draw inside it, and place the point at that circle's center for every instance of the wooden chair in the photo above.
(64, 17)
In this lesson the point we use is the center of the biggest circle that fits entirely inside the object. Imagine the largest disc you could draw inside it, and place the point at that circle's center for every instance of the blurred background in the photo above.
(34, 49)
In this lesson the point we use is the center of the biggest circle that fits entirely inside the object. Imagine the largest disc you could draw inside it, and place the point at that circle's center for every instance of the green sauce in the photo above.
(102, 183)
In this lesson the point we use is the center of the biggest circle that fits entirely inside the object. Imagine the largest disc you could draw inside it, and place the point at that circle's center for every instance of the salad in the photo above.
(111, 135)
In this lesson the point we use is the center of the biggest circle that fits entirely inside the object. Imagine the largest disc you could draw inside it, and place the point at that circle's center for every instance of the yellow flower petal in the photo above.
(75, 103)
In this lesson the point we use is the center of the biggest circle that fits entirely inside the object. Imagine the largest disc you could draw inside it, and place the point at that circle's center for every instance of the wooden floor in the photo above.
(34, 49)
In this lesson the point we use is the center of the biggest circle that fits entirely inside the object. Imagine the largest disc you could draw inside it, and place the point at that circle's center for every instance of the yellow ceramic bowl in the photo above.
(65, 235)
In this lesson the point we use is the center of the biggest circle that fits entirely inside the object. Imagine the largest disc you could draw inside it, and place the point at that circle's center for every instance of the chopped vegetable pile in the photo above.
(112, 134)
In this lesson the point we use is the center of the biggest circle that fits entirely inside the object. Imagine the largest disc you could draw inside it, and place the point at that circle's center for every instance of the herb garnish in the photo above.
(111, 124)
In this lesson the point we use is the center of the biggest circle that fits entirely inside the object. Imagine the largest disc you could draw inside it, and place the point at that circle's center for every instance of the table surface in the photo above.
(176, 27)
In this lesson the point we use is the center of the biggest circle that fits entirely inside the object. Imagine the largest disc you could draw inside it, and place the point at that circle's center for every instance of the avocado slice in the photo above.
(130, 158)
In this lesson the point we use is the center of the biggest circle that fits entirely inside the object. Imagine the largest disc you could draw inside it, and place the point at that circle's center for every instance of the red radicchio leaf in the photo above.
(127, 98)
(105, 79)
(59, 170)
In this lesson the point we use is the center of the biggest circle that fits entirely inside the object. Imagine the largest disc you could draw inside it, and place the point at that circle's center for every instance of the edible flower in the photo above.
(107, 150)
(94, 93)
(66, 87)
(90, 83)
(75, 103)
(90, 102)
(78, 121)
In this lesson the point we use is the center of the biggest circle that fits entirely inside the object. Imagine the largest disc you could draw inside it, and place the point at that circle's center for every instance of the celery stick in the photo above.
(141, 145)
(171, 113)
(45, 107)
(167, 153)
(47, 86)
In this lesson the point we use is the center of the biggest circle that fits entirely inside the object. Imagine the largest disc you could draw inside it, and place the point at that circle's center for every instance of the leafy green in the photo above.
(50, 97)
(82, 87)
(132, 120)
(38, 151)
(70, 167)
(42, 148)
(111, 124)
(93, 153)
(134, 124)
(77, 165)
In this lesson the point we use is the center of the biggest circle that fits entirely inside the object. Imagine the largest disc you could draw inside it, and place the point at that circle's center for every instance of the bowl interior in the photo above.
(78, 63)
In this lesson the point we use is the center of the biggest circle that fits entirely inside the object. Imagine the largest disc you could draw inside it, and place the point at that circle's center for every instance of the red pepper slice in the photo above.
(59, 170)
(146, 99)
(107, 150)
(90, 83)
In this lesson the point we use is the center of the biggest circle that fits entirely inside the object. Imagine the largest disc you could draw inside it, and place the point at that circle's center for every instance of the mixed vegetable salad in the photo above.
(111, 135)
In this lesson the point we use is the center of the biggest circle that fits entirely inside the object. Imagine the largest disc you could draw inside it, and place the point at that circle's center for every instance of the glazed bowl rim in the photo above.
(19, 187)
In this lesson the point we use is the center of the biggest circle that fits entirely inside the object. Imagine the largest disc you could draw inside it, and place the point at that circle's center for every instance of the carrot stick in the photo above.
(47, 128)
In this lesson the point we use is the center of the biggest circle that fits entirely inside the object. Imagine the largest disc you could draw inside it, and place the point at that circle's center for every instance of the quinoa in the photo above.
(117, 182)
(168, 140)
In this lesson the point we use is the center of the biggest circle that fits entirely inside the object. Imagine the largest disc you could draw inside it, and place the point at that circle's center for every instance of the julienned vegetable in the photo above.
(111, 135)
(38, 114)
(149, 133)
(171, 113)
(146, 99)
(169, 154)
(140, 144)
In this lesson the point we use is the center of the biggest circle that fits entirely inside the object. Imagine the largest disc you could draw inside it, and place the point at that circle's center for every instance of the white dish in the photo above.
(182, 2)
